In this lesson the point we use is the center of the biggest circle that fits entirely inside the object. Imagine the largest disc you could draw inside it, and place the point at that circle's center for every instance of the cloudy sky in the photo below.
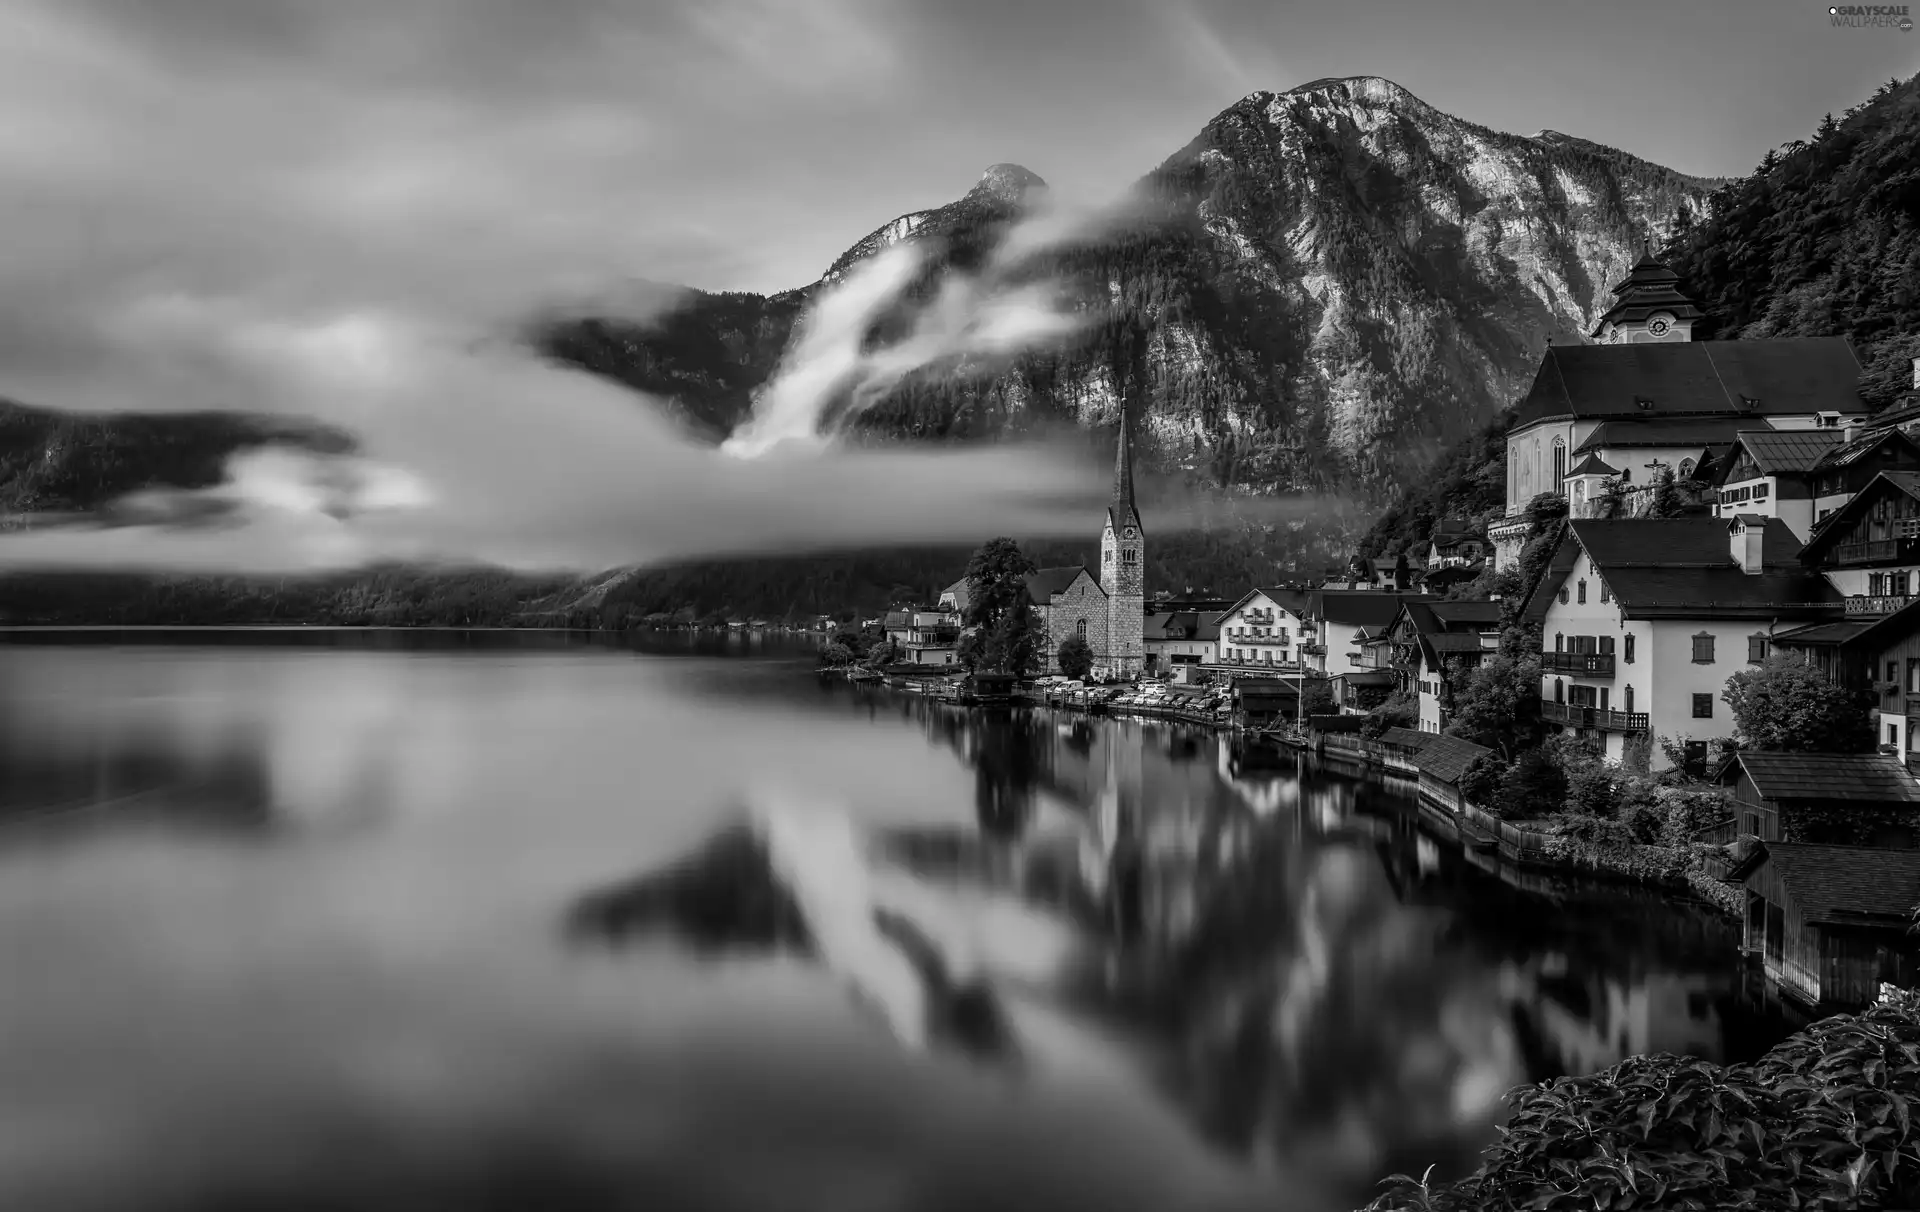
(317, 206)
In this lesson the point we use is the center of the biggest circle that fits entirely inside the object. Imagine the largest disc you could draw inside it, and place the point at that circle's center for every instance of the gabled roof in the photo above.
(1873, 778)
(1684, 568)
(1841, 454)
(1656, 432)
(1698, 378)
(1452, 615)
(1847, 885)
(1824, 534)
(1593, 465)
(1291, 600)
(1785, 451)
(1824, 633)
(1649, 287)
(1191, 625)
(1447, 757)
(1360, 607)
(1408, 739)
(1044, 584)
(1367, 677)
(961, 594)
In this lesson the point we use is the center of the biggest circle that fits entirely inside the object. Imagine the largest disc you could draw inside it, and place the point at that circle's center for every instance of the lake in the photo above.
(404, 921)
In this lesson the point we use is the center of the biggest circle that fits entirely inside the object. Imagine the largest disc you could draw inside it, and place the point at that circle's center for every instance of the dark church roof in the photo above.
(1656, 433)
(1693, 378)
(1649, 287)
(1122, 512)
(1042, 585)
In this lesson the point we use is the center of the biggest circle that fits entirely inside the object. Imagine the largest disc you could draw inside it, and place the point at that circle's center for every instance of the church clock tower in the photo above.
(1123, 572)
(1648, 306)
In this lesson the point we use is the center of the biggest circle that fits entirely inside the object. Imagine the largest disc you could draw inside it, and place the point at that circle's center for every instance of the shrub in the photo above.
(1535, 786)
(1645, 822)
(1484, 781)
(1593, 791)
(1685, 811)
(1823, 1120)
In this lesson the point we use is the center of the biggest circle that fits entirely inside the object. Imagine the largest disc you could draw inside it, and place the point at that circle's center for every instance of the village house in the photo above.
(1837, 799)
(1182, 639)
(1267, 627)
(1443, 760)
(1830, 923)
(1649, 398)
(1802, 476)
(1643, 621)
(1875, 654)
(1427, 641)
(925, 635)
(1342, 618)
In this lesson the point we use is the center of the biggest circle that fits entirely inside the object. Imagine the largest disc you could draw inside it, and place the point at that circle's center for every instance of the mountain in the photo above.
(1310, 295)
(1821, 239)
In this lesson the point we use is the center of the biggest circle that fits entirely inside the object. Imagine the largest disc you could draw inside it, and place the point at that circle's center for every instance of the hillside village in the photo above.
(1702, 538)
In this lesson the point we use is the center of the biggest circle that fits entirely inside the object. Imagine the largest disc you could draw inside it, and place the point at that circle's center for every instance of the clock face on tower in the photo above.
(1659, 326)
(1130, 532)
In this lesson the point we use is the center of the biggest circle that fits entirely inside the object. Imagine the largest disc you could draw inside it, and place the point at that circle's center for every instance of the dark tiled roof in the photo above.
(899, 618)
(1454, 641)
(1824, 633)
(1593, 465)
(960, 593)
(1797, 375)
(1407, 739)
(1042, 585)
(1686, 433)
(1361, 607)
(1685, 567)
(1368, 677)
(1649, 287)
(1182, 625)
(1843, 453)
(1789, 451)
(1447, 757)
(1466, 614)
(1839, 885)
(1874, 778)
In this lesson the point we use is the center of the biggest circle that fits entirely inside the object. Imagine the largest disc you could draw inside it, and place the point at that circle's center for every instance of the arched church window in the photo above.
(1081, 630)
(1559, 465)
(1685, 471)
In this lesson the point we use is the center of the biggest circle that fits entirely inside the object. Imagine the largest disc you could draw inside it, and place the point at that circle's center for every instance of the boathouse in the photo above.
(1836, 799)
(1830, 922)
(1442, 761)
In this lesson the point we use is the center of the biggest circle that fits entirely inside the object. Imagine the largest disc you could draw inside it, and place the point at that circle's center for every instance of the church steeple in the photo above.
(1122, 513)
(1648, 306)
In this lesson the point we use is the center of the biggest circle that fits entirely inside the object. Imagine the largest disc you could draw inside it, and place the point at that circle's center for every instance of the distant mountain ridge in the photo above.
(1317, 290)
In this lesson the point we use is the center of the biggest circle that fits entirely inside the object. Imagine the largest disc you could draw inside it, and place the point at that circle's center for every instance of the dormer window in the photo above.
(1829, 420)
(1749, 403)
(1645, 403)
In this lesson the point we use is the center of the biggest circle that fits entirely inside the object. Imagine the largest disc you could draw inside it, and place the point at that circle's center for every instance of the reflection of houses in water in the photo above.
(1584, 1022)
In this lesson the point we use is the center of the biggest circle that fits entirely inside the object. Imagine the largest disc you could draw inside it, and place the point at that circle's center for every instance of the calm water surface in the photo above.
(433, 922)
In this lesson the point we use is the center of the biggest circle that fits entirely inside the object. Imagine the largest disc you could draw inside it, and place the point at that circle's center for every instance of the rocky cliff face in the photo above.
(1320, 291)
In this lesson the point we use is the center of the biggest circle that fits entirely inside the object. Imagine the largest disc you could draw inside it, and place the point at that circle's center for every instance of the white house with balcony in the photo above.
(1267, 627)
(1649, 397)
(925, 635)
(1643, 621)
(1430, 641)
(1869, 549)
(1344, 618)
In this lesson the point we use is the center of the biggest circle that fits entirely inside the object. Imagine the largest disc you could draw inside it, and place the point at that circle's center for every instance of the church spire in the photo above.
(1122, 512)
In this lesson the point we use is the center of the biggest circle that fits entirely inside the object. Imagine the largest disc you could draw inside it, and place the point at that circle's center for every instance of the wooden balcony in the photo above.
(1580, 664)
(1867, 604)
(1277, 641)
(1312, 649)
(1913, 705)
(1594, 717)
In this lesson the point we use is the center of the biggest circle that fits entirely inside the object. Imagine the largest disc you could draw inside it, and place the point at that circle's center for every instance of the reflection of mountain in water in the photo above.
(1298, 968)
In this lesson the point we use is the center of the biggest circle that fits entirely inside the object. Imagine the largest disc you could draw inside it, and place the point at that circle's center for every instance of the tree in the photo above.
(1787, 704)
(1666, 502)
(1005, 633)
(1075, 657)
(1400, 571)
(1497, 703)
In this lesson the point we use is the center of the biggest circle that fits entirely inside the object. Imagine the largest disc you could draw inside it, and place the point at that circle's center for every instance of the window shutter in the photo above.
(1629, 653)
(1703, 648)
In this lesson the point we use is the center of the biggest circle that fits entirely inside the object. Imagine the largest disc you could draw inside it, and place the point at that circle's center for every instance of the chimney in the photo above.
(1749, 533)
(1851, 428)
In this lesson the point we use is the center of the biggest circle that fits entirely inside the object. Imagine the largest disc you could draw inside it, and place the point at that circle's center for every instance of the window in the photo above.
(1703, 649)
(1559, 465)
(1756, 649)
(1129, 556)
(1081, 630)
(1703, 706)
(1559, 691)
(1559, 642)
(1629, 650)
(1686, 469)
(1563, 595)
(1606, 595)
(1583, 593)
(1913, 675)
(1629, 703)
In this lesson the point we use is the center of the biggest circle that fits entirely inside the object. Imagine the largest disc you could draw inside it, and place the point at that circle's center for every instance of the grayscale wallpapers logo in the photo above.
(1895, 16)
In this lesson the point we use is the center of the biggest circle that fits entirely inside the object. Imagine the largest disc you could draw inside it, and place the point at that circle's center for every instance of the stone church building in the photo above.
(1108, 611)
